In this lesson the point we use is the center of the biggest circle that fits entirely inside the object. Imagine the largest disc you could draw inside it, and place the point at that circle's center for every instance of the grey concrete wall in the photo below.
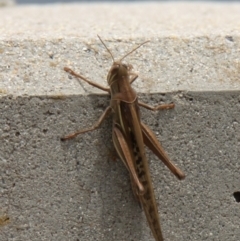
(76, 190)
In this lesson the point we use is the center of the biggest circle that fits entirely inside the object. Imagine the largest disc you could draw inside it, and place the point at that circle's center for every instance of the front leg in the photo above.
(158, 107)
(71, 72)
(134, 77)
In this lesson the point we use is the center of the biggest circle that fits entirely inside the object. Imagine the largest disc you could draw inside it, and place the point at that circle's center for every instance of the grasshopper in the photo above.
(130, 135)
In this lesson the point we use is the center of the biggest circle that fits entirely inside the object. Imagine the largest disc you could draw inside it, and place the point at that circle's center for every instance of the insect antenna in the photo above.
(134, 50)
(106, 48)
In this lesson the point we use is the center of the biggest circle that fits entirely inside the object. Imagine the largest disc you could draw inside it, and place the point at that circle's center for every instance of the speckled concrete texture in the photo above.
(78, 190)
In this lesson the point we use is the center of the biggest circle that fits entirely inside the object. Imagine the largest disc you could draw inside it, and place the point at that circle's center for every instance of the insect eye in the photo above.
(129, 67)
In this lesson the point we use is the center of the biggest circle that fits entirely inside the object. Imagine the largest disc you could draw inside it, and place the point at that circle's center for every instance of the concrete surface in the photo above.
(76, 190)
(7, 3)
